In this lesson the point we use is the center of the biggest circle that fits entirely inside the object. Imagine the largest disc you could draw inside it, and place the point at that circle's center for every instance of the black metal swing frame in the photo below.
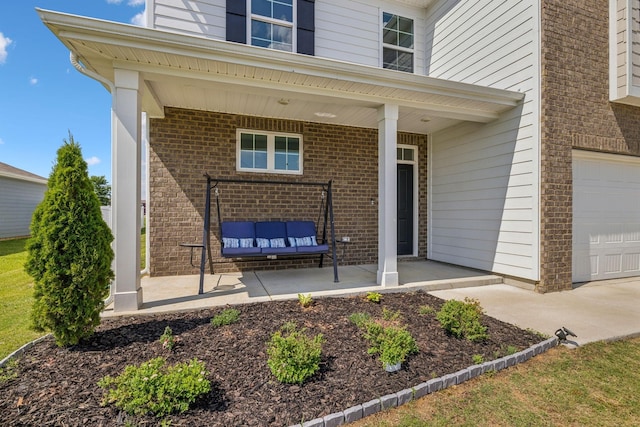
(212, 183)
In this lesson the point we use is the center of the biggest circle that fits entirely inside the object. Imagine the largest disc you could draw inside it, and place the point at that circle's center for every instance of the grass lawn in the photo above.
(595, 385)
(16, 293)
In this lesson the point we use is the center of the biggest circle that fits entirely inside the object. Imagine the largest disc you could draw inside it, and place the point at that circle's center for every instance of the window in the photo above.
(405, 153)
(269, 152)
(397, 42)
(272, 24)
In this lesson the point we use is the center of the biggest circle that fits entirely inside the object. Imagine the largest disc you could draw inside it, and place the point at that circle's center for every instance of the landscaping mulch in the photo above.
(57, 386)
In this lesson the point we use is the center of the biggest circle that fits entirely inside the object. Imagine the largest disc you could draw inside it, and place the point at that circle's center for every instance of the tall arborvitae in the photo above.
(69, 253)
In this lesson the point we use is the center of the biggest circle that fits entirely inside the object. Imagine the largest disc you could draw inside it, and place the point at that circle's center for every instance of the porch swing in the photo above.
(270, 239)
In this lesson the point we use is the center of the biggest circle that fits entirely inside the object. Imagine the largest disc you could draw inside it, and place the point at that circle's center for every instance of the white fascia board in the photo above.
(95, 30)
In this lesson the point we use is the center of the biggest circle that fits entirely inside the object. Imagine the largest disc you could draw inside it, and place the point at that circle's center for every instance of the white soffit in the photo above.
(199, 73)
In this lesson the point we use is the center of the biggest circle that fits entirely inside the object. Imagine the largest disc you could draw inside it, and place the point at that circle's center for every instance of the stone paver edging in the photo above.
(404, 396)
(21, 350)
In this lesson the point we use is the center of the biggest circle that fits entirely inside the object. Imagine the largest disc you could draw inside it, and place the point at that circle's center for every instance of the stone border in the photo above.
(21, 350)
(400, 398)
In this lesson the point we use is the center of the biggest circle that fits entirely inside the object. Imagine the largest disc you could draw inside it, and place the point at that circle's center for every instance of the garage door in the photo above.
(606, 216)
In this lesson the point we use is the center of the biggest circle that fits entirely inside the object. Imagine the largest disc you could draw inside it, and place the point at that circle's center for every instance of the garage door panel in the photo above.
(631, 262)
(606, 211)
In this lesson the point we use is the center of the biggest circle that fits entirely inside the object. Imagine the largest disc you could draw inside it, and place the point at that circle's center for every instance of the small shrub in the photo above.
(167, 339)
(390, 315)
(151, 388)
(478, 359)
(226, 317)
(390, 341)
(462, 319)
(392, 344)
(359, 319)
(426, 310)
(374, 297)
(305, 300)
(293, 356)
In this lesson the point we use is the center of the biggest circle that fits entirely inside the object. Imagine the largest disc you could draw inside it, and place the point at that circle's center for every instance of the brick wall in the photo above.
(187, 143)
(576, 113)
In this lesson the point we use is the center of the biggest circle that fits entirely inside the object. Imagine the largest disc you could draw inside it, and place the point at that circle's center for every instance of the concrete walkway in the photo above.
(594, 311)
(178, 293)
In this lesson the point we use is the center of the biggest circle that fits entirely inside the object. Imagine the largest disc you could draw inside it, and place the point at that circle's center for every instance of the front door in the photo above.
(405, 209)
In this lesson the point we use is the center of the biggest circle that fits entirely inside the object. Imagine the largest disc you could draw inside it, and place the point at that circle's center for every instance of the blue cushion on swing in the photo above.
(238, 229)
(270, 230)
(238, 238)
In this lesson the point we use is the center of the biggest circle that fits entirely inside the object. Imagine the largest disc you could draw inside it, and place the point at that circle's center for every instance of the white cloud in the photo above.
(140, 19)
(4, 43)
(92, 161)
(1, 141)
(33, 81)
(132, 3)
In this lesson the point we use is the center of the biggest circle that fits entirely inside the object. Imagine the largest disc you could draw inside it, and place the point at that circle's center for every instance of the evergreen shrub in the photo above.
(69, 254)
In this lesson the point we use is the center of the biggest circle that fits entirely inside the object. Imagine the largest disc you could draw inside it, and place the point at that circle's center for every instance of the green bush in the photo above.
(226, 317)
(359, 319)
(69, 254)
(462, 319)
(375, 297)
(391, 343)
(151, 388)
(293, 356)
(305, 300)
(167, 339)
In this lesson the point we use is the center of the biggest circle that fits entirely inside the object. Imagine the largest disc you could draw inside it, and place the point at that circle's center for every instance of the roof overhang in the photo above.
(200, 73)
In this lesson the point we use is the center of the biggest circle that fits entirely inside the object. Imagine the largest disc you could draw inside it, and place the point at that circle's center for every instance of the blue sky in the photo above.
(42, 97)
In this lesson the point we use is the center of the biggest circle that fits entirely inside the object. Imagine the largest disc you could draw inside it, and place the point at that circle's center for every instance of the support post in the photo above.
(126, 166)
(333, 233)
(205, 237)
(387, 197)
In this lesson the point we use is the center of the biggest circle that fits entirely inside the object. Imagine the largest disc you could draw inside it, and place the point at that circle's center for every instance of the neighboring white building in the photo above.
(20, 193)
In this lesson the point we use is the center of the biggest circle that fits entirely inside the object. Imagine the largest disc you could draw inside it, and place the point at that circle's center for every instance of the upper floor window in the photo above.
(269, 152)
(272, 24)
(397, 42)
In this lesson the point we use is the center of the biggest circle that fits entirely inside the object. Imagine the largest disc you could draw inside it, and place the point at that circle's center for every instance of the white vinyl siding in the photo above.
(344, 30)
(351, 30)
(193, 17)
(624, 55)
(18, 200)
(484, 179)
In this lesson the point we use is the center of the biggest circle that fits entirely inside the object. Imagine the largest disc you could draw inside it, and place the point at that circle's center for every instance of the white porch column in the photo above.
(387, 198)
(125, 201)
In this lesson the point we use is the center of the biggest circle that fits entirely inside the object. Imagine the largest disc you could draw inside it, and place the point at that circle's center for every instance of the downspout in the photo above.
(112, 89)
(74, 61)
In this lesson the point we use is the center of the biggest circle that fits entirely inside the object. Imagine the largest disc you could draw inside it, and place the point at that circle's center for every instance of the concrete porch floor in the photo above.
(179, 293)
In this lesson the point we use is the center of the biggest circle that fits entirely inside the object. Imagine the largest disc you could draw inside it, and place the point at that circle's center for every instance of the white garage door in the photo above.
(606, 216)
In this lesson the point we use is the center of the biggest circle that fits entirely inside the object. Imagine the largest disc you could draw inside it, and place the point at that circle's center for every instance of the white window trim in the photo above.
(293, 25)
(416, 195)
(393, 46)
(271, 150)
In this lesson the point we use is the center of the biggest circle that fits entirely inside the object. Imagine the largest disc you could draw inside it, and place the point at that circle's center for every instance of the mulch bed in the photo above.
(57, 386)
